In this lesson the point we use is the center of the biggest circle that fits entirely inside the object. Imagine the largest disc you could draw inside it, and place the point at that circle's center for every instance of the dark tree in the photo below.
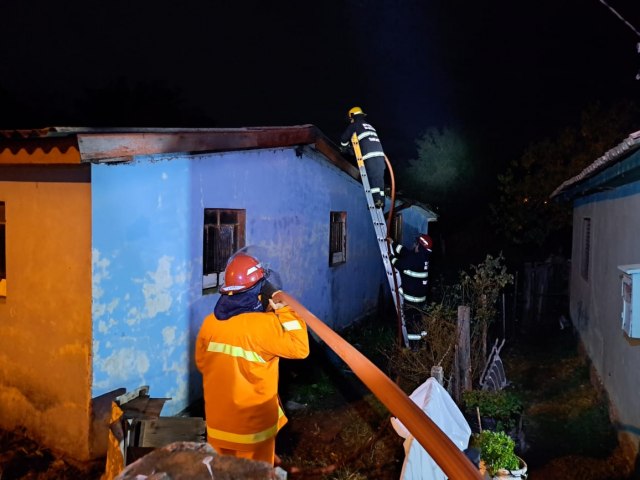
(524, 214)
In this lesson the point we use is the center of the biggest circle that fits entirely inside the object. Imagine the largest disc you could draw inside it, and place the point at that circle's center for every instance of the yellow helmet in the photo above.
(355, 111)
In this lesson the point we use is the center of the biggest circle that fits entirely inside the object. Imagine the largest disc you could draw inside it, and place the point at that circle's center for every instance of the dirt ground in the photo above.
(338, 430)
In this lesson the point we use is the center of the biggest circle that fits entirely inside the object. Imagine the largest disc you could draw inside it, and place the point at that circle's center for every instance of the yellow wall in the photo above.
(45, 319)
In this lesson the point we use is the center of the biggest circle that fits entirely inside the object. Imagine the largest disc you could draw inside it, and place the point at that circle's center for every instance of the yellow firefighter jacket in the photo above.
(238, 359)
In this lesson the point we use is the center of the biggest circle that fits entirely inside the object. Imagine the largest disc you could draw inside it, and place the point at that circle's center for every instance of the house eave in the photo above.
(617, 166)
(73, 145)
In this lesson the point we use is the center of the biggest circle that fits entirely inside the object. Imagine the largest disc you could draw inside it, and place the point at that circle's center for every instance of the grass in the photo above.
(564, 415)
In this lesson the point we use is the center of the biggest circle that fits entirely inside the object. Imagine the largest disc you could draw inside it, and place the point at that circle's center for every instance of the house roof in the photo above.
(592, 178)
(403, 203)
(77, 145)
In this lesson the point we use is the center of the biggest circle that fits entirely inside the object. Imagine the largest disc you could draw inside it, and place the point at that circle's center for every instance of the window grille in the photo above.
(338, 238)
(224, 234)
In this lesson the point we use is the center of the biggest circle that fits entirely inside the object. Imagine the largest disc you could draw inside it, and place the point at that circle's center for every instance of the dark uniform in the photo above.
(372, 154)
(414, 273)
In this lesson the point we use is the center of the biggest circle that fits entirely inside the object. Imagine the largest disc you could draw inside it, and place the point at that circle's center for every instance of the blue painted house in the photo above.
(113, 244)
(605, 275)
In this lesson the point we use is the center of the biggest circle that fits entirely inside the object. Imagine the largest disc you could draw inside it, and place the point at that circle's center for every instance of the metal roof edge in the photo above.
(611, 156)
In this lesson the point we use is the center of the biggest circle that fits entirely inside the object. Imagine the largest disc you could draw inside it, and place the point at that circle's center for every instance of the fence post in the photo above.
(464, 349)
(437, 372)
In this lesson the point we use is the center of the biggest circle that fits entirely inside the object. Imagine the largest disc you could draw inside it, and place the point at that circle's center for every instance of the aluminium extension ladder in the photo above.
(380, 226)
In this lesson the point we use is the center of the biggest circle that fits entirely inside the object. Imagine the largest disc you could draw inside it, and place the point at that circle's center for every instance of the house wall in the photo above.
(415, 222)
(596, 303)
(148, 218)
(45, 319)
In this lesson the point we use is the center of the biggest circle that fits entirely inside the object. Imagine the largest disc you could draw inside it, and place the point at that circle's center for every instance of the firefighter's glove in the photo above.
(276, 305)
(266, 292)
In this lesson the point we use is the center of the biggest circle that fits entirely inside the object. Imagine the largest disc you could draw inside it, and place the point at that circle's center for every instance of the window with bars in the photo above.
(338, 238)
(223, 235)
(3, 253)
(586, 248)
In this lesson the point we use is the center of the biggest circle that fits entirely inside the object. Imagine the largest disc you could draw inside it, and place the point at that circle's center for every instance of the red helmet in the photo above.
(243, 272)
(425, 242)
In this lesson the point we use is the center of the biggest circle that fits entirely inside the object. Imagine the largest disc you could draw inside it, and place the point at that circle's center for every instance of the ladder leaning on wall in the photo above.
(380, 226)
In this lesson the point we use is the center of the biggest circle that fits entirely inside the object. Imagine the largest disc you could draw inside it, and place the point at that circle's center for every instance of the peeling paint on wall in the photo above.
(147, 260)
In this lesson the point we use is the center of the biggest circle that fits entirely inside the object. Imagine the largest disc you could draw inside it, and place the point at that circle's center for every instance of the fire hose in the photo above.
(445, 453)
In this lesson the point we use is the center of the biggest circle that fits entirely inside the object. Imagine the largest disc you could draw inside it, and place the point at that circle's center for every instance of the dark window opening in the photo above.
(396, 229)
(586, 248)
(338, 238)
(223, 235)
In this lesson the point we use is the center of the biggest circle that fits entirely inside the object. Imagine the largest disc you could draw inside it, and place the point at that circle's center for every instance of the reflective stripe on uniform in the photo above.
(411, 298)
(246, 438)
(291, 325)
(234, 351)
(367, 134)
(411, 273)
(375, 190)
(373, 154)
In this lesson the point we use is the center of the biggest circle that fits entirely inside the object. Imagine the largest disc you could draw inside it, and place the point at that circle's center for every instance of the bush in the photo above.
(413, 366)
(504, 406)
(496, 451)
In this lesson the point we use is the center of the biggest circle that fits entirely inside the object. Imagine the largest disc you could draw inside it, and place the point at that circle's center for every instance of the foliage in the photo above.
(481, 289)
(524, 214)
(316, 392)
(443, 168)
(497, 451)
(413, 366)
(505, 406)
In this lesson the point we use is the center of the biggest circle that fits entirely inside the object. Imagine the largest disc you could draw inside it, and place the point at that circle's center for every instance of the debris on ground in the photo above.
(195, 461)
(23, 459)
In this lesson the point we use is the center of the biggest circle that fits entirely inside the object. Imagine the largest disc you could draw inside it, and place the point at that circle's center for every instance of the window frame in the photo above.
(396, 228)
(232, 222)
(585, 260)
(337, 238)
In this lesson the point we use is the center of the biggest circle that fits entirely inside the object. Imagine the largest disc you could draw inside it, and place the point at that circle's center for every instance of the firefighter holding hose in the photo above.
(237, 351)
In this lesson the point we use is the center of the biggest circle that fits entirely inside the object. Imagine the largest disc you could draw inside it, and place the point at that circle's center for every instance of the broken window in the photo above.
(338, 238)
(223, 235)
(586, 248)
(3, 253)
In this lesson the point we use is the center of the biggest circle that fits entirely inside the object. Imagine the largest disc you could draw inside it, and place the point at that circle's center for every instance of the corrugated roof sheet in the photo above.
(628, 145)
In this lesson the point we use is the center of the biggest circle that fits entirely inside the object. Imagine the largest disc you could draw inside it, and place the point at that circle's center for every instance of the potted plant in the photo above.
(497, 456)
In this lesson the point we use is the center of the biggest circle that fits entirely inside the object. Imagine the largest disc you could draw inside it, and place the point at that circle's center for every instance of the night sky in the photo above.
(507, 72)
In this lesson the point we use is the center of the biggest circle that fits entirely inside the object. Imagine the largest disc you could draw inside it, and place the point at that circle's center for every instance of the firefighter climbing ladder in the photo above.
(380, 226)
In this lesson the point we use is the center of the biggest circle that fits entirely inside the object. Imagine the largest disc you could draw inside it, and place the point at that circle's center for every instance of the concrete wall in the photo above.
(596, 303)
(45, 319)
(148, 217)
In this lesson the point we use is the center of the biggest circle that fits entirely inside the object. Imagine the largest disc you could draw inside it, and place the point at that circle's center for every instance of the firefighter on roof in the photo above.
(372, 153)
(237, 351)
